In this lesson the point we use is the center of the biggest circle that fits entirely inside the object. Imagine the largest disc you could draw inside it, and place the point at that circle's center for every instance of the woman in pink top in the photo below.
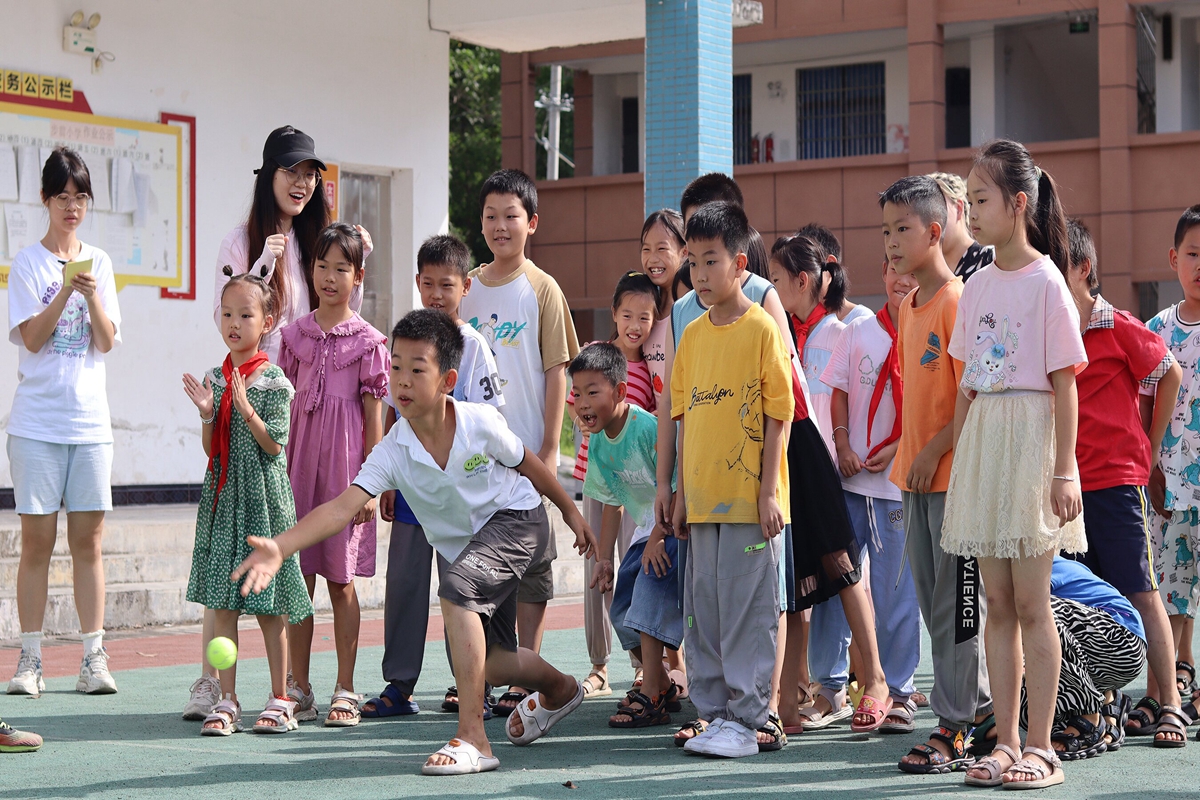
(339, 365)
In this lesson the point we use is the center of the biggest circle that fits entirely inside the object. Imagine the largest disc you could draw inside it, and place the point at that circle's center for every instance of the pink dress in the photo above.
(331, 372)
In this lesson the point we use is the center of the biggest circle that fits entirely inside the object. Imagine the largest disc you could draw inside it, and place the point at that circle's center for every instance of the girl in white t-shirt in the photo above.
(1013, 499)
(59, 433)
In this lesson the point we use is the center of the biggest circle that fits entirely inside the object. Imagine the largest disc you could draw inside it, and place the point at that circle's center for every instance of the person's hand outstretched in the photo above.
(260, 567)
(200, 393)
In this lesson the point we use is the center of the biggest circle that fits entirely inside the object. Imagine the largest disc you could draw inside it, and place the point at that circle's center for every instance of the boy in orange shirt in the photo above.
(949, 591)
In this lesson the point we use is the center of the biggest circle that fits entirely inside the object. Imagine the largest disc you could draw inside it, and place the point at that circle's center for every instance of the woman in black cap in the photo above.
(287, 213)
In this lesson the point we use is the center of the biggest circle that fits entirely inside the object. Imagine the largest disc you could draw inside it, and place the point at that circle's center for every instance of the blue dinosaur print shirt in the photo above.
(1179, 455)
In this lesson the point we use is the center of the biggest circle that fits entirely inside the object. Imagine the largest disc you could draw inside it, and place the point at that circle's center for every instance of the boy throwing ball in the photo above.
(475, 490)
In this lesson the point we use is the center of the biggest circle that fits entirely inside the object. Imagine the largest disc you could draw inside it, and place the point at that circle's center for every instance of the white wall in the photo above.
(1050, 82)
(1178, 80)
(369, 84)
(608, 90)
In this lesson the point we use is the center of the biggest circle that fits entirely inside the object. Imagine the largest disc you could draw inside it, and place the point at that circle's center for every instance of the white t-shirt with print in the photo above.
(479, 479)
(477, 378)
(60, 396)
(818, 349)
(854, 368)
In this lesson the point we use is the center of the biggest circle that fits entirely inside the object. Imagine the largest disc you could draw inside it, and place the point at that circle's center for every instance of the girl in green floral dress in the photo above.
(245, 409)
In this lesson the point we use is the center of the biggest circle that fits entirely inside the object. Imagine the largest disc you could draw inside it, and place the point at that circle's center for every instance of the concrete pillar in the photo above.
(517, 144)
(583, 123)
(1118, 123)
(926, 87)
(984, 97)
(689, 95)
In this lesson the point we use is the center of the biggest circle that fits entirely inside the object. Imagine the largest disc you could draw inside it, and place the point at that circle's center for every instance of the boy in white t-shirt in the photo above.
(474, 487)
(864, 376)
(523, 314)
(443, 267)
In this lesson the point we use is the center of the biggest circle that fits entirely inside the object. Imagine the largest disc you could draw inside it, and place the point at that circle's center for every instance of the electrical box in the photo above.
(79, 40)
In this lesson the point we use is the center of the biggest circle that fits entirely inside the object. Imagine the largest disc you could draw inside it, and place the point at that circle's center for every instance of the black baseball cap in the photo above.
(287, 147)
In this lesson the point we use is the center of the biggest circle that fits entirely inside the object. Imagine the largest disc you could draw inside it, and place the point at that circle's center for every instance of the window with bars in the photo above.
(741, 119)
(840, 111)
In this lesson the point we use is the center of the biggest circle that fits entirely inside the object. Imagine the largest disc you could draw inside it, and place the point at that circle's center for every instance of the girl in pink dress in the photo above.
(339, 366)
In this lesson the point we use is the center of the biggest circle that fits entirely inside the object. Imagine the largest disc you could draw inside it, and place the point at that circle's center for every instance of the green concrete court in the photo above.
(134, 745)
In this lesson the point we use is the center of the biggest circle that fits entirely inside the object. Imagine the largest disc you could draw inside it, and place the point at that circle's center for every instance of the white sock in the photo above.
(32, 643)
(93, 641)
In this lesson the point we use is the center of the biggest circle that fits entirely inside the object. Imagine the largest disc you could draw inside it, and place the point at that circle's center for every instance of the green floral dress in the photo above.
(255, 501)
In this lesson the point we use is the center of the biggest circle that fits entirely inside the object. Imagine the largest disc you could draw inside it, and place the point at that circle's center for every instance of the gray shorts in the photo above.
(537, 584)
(485, 576)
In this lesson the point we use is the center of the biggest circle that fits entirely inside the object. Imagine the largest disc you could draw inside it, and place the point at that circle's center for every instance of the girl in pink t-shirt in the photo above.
(664, 252)
(1014, 499)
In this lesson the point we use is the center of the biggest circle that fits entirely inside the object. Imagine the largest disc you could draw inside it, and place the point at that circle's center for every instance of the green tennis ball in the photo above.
(222, 652)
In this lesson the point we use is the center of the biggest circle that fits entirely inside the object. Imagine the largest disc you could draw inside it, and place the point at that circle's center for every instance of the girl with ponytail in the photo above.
(1014, 498)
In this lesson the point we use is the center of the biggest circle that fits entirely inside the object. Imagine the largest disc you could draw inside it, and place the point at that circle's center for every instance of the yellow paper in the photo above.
(73, 268)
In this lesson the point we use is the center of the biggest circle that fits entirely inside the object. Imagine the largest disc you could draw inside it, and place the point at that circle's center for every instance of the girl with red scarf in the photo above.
(245, 411)
(825, 555)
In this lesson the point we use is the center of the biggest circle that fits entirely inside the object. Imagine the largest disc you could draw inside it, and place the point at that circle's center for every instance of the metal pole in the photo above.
(553, 110)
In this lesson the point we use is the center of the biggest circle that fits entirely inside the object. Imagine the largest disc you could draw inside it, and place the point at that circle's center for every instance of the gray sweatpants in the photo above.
(406, 605)
(950, 594)
(731, 616)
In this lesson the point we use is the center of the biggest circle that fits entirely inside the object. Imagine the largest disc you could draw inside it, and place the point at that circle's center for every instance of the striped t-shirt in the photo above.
(640, 393)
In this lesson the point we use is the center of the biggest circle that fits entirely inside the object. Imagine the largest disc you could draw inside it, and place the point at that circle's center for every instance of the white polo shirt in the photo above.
(480, 476)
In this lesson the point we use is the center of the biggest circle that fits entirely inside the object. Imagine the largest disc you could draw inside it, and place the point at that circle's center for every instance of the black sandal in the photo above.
(673, 703)
(774, 729)
(979, 744)
(1088, 743)
(696, 726)
(1146, 726)
(1118, 710)
(511, 697)
(642, 713)
(935, 762)
(1171, 720)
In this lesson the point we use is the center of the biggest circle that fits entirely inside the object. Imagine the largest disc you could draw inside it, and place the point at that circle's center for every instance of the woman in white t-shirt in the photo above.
(59, 434)
(287, 214)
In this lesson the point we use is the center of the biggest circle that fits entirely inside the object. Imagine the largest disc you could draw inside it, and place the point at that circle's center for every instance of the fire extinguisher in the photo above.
(754, 147)
(769, 149)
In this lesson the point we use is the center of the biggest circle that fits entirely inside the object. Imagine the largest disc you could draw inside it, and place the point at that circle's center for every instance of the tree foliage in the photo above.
(474, 137)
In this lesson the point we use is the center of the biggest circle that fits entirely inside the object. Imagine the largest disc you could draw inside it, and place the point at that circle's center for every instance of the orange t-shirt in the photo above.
(931, 379)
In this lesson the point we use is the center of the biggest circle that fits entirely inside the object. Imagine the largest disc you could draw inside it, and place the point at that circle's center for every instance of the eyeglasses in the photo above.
(306, 178)
(65, 201)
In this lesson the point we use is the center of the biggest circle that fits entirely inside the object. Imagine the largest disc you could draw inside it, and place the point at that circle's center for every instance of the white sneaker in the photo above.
(206, 691)
(732, 740)
(28, 679)
(696, 743)
(94, 677)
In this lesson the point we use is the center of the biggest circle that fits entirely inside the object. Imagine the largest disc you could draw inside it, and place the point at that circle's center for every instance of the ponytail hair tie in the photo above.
(1038, 171)
(227, 271)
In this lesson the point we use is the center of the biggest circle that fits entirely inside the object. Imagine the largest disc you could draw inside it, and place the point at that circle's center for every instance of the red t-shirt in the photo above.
(1112, 449)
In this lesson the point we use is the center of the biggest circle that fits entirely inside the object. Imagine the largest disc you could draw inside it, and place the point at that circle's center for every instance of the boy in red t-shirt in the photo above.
(1115, 459)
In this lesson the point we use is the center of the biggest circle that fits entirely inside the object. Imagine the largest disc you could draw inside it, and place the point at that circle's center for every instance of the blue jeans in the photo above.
(879, 530)
(645, 603)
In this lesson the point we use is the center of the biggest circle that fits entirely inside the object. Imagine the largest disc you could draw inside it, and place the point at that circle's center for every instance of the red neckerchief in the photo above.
(888, 371)
(220, 435)
(802, 329)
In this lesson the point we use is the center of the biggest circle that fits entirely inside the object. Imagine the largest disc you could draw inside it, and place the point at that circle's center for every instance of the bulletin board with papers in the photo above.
(139, 174)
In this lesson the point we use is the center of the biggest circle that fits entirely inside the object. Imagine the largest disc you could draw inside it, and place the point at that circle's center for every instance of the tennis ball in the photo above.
(222, 653)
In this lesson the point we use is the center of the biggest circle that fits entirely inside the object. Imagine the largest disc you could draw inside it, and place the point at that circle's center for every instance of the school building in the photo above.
(817, 105)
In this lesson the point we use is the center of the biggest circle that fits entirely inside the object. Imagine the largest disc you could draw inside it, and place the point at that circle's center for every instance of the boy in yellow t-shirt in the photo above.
(733, 488)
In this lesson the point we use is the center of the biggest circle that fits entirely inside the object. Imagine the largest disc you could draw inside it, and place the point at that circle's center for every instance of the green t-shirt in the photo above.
(621, 471)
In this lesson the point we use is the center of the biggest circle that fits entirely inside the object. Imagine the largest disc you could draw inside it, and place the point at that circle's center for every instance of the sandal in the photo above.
(642, 713)
(596, 685)
(774, 729)
(509, 701)
(870, 714)
(467, 760)
(1088, 742)
(637, 678)
(936, 763)
(450, 702)
(904, 718)
(306, 704)
(921, 699)
(344, 701)
(696, 726)
(815, 719)
(1171, 720)
(992, 765)
(673, 705)
(978, 743)
(282, 712)
(226, 712)
(679, 679)
(1047, 771)
(1145, 725)
(391, 702)
(1118, 711)
(536, 719)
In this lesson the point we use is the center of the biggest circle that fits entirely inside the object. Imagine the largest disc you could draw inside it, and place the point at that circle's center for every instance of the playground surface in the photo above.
(135, 745)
